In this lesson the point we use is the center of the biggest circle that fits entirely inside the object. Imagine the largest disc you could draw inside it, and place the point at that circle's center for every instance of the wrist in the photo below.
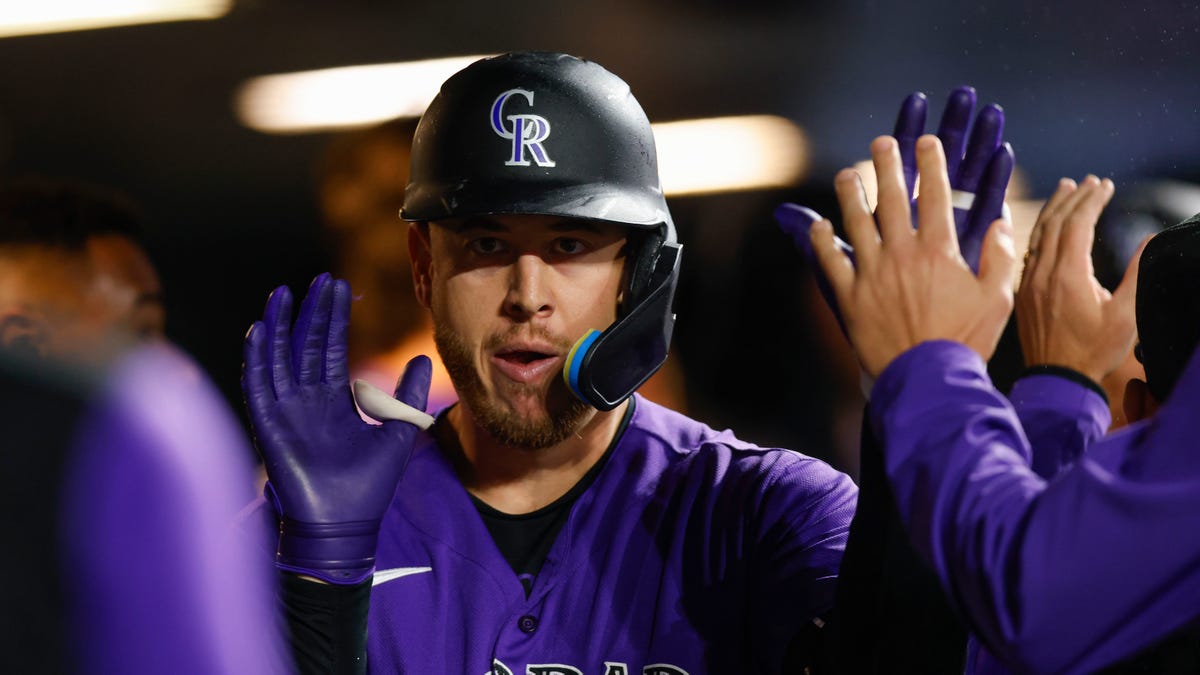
(338, 553)
(1066, 373)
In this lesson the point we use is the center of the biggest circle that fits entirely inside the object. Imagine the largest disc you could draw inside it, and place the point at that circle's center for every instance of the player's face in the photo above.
(510, 295)
(125, 287)
(74, 305)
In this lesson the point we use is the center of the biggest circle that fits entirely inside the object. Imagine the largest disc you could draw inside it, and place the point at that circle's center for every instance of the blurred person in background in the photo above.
(73, 273)
(360, 185)
(121, 468)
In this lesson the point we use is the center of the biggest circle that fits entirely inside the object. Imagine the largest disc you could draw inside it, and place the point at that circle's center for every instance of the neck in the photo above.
(521, 480)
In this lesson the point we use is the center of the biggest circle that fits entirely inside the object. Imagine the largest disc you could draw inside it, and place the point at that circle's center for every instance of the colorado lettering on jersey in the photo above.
(610, 668)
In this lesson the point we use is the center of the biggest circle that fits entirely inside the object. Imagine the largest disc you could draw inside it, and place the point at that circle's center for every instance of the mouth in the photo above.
(526, 364)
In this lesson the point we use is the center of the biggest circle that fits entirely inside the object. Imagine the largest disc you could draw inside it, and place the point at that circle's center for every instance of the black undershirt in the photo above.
(525, 539)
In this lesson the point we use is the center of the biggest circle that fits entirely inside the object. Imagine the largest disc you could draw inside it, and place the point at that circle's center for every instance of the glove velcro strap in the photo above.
(340, 553)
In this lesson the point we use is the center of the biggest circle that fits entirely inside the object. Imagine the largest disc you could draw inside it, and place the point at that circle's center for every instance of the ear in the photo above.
(1138, 403)
(422, 259)
(24, 334)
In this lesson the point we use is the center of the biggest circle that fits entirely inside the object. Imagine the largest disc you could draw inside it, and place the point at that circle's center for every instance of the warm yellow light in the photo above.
(695, 156)
(56, 16)
(341, 98)
(726, 154)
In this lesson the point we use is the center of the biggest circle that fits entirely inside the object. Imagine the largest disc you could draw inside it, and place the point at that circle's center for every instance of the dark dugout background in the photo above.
(1109, 88)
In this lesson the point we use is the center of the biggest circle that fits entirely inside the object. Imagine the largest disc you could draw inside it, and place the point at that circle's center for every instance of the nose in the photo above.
(528, 292)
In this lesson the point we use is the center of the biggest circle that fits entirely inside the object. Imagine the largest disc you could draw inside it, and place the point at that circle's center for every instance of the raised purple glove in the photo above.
(979, 170)
(332, 475)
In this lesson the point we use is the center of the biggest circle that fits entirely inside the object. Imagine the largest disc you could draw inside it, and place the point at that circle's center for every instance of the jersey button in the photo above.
(527, 623)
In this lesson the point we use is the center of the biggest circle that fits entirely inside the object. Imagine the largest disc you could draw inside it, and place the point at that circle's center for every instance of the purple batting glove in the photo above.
(796, 221)
(979, 165)
(332, 475)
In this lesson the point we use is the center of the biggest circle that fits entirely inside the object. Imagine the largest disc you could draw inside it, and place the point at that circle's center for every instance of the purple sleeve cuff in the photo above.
(913, 373)
(1061, 416)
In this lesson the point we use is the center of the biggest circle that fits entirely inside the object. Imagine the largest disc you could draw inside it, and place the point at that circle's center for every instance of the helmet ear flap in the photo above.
(643, 250)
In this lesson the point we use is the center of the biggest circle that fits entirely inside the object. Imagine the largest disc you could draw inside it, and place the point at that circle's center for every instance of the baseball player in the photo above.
(553, 521)
(1064, 576)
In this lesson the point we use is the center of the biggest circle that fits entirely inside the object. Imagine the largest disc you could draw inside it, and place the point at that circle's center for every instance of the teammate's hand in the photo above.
(1064, 316)
(907, 287)
(332, 474)
(979, 170)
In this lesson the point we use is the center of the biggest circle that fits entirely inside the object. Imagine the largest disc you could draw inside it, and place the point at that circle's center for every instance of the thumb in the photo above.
(998, 261)
(1126, 292)
(408, 403)
(413, 387)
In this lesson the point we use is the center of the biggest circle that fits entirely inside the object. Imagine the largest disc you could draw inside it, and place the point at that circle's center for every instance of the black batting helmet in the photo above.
(550, 134)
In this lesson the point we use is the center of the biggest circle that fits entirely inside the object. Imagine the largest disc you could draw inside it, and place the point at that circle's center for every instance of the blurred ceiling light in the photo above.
(726, 154)
(341, 98)
(56, 16)
(695, 156)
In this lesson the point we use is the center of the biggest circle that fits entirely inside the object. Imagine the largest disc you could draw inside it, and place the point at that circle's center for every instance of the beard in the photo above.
(563, 414)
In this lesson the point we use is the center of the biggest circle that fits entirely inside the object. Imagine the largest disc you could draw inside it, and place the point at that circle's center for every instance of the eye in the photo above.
(569, 246)
(486, 245)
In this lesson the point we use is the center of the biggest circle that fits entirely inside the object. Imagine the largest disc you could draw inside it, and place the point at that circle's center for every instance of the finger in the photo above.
(795, 220)
(894, 213)
(998, 260)
(985, 139)
(257, 388)
(312, 330)
(1126, 293)
(1079, 228)
(337, 371)
(988, 206)
(1052, 227)
(279, 352)
(1050, 210)
(413, 386)
(856, 215)
(952, 130)
(934, 212)
(910, 124)
(836, 266)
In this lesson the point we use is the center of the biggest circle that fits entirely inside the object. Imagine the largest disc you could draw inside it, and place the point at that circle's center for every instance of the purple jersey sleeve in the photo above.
(156, 583)
(1065, 576)
(1061, 418)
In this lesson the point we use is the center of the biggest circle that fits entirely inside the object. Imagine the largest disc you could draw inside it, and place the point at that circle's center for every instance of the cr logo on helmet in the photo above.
(528, 131)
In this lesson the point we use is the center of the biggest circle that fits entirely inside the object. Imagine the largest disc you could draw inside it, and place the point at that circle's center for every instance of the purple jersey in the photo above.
(1064, 576)
(692, 552)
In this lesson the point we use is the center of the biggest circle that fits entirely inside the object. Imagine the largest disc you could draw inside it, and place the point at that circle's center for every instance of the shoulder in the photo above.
(692, 447)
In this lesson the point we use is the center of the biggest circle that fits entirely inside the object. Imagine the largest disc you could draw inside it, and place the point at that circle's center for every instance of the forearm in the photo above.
(1062, 577)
